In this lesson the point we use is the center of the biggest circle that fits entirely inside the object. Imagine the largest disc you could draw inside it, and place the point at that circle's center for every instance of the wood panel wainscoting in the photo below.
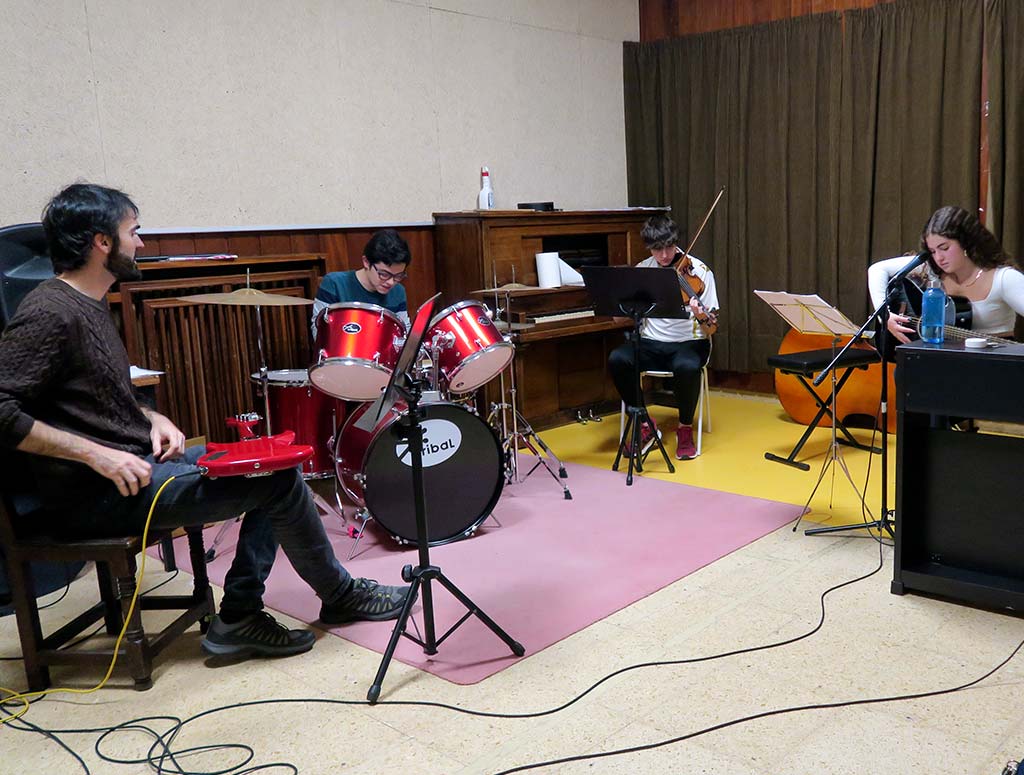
(661, 19)
(208, 352)
(340, 246)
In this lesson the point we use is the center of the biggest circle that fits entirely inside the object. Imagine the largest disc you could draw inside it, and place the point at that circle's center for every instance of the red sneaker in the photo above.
(647, 433)
(685, 449)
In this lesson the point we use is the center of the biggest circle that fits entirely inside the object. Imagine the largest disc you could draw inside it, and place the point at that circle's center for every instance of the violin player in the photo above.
(682, 346)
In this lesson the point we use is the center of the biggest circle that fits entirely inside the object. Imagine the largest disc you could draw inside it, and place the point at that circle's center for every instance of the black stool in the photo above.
(805, 365)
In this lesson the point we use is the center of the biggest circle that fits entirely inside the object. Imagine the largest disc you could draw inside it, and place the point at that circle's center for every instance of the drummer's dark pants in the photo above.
(684, 359)
(278, 510)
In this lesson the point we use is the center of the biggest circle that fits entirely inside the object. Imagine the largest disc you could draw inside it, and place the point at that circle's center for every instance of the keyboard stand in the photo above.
(805, 365)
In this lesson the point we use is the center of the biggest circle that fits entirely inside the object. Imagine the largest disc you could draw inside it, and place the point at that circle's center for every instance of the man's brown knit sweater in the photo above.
(63, 363)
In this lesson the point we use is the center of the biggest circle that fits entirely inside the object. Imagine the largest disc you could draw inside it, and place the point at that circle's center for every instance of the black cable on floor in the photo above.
(164, 759)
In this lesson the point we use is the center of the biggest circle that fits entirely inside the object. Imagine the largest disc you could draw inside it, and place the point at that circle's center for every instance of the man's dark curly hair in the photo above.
(76, 215)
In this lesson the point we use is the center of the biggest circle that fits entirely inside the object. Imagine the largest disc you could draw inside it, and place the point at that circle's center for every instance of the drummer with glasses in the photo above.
(386, 258)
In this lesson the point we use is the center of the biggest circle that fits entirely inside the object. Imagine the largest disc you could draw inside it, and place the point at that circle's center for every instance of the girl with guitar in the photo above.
(971, 264)
(680, 346)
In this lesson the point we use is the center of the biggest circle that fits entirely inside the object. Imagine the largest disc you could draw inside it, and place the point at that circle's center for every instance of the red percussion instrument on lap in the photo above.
(314, 417)
(357, 349)
(462, 471)
(253, 457)
(471, 350)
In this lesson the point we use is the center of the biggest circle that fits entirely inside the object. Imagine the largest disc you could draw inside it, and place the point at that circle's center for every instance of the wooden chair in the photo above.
(115, 571)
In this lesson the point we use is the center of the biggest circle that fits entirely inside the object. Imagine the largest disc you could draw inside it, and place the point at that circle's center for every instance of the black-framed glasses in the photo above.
(385, 275)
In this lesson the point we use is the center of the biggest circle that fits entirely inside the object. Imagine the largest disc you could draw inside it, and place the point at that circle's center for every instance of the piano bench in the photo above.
(805, 365)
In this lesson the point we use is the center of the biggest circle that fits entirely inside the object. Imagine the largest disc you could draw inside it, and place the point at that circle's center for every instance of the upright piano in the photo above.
(959, 508)
(561, 346)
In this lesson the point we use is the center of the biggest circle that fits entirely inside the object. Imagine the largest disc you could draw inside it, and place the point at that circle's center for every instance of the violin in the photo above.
(691, 287)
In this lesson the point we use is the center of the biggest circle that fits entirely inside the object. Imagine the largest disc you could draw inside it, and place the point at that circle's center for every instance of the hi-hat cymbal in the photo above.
(248, 297)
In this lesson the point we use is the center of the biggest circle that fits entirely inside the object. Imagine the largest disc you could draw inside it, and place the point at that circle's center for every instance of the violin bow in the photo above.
(704, 222)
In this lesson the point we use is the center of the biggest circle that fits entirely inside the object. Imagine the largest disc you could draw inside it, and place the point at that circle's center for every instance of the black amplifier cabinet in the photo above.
(959, 495)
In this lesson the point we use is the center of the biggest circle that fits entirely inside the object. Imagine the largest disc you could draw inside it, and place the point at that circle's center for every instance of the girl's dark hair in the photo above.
(978, 243)
(77, 214)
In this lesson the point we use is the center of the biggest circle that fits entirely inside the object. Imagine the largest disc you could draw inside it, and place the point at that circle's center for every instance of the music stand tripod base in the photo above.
(421, 575)
(410, 429)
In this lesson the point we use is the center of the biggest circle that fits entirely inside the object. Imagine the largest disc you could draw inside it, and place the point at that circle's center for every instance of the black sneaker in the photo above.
(366, 601)
(256, 635)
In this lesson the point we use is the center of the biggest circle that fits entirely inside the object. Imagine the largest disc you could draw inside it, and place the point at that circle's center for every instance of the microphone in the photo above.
(910, 266)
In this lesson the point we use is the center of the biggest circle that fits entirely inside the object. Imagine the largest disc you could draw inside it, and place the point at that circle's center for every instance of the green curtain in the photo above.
(911, 127)
(836, 139)
(755, 110)
(1004, 34)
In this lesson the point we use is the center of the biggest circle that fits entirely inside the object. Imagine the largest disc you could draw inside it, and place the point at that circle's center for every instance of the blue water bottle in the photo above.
(933, 312)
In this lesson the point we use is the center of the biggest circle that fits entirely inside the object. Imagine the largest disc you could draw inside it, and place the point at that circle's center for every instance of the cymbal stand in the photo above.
(516, 432)
(264, 373)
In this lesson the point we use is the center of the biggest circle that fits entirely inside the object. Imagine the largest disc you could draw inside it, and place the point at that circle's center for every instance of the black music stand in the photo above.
(622, 291)
(409, 429)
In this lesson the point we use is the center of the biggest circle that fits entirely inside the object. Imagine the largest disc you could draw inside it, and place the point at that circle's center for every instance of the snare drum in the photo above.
(315, 417)
(357, 349)
(471, 350)
(462, 471)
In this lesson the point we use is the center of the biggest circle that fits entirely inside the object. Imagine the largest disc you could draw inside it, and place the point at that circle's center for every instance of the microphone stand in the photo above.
(881, 314)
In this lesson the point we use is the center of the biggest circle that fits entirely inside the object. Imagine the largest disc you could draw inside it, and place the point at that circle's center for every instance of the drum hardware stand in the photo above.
(410, 429)
(519, 433)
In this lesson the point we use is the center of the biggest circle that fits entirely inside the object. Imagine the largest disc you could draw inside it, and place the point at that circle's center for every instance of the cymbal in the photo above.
(248, 297)
(506, 287)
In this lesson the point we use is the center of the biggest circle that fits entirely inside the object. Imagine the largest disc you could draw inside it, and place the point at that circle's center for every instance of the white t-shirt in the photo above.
(682, 329)
(995, 314)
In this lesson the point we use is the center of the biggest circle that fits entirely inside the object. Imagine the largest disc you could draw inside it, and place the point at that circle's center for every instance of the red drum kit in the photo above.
(466, 459)
(462, 471)
(358, 346)
(296, 406)
(357, 349)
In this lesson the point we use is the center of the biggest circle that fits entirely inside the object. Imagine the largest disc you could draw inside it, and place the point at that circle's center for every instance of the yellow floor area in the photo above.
(743, 428)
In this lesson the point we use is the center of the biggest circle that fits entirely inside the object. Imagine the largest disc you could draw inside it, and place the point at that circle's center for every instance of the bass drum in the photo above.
(462, 471)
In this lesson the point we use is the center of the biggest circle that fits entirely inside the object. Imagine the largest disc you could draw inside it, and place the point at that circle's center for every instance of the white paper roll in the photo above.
(548, 274)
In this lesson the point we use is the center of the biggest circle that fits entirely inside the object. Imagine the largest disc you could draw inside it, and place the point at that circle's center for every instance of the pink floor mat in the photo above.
(553, 567)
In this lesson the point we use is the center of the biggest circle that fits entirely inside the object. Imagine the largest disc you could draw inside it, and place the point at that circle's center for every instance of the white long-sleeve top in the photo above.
(995, 314)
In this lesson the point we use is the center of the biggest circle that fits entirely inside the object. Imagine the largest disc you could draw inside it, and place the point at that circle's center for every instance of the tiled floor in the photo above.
(872, 645)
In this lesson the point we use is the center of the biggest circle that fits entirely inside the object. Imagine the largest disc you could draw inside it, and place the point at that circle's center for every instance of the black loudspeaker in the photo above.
(24, 263)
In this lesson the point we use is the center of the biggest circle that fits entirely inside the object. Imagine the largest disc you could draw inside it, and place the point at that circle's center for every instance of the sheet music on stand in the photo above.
(808, 313)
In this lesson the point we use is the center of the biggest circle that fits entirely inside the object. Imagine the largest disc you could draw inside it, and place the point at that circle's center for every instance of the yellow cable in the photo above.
(24, 697)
